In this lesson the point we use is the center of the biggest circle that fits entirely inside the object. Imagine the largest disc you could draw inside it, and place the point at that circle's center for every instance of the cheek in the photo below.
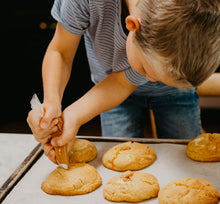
(134, 60)
(136, 65)
(129, 52)
(133, 56)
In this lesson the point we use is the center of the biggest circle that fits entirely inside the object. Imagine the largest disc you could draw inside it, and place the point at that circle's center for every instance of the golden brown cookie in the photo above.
(80, 178)
(131, 187)
(205, 147)
(190, 191)
(128, 156)
(82, 151)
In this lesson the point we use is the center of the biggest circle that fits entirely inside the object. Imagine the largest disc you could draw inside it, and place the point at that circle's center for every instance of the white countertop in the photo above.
(14, 148)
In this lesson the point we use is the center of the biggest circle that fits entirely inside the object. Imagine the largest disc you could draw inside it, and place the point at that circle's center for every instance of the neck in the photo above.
(131, 4)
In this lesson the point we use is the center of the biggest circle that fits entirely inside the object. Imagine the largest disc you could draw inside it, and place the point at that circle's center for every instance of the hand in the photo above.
(44, 127)
(70, 129)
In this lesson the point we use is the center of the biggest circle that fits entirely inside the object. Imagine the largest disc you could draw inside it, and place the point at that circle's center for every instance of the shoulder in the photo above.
(73, 15)
(71, 5)
(135, 77)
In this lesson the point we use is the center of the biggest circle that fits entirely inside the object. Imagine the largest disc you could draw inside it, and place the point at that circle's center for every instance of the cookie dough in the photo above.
(205, 147)
(131, 187)
(80, 178)
(128, 156)
(82, 151)
(190, 191)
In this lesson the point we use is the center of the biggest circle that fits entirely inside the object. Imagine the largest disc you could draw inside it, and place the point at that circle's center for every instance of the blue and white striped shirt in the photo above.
(100, 23)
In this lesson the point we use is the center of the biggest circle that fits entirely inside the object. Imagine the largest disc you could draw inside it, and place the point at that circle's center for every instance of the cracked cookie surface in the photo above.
(205, 147)
(131, 187)
(80, 178)
(129, 156)
(190, 191)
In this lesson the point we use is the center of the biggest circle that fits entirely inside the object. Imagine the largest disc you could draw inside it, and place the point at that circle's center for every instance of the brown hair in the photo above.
(185, 34)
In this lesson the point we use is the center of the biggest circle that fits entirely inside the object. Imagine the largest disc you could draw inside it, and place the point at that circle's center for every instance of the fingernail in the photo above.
(56, 121)
(55, 129)
(51, 154)
(44, 125)
(53, 143)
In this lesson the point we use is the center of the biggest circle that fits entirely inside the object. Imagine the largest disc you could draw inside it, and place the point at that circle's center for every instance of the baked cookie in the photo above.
(128, 156)
(131, 187)
(82, 151)
(190, 191)
(80, 178)
(205, 147)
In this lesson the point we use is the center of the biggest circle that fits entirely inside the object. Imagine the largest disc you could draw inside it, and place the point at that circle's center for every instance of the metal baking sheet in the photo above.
(171, 163)
(20, 171)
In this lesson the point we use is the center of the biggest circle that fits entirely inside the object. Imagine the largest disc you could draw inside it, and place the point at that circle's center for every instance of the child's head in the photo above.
(182, 35)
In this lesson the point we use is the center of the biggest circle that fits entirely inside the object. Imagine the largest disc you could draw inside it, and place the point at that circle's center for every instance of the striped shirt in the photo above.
(100, 23)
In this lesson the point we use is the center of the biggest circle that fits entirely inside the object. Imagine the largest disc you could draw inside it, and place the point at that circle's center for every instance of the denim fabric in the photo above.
(177, 116)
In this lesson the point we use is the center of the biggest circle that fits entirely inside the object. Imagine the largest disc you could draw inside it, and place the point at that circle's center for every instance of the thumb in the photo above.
(47, 119)
(66, 137)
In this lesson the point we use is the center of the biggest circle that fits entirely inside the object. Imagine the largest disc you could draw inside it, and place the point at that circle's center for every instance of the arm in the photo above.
(105, 95)
(56, 70)
(211, 86)
(57, 63)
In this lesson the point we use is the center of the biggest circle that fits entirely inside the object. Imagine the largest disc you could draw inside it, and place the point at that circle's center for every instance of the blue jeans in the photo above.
(177, 116)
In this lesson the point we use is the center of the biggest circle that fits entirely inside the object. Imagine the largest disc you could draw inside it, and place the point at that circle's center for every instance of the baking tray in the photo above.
(20, 171)
(171, 163)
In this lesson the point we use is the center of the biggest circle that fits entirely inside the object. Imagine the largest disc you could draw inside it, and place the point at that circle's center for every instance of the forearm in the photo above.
(57, 63)
(55, 75)
(210, 87)
(107, 94)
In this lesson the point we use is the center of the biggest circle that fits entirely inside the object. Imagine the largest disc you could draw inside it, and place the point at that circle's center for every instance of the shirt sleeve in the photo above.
(74, 15)
(134, 77)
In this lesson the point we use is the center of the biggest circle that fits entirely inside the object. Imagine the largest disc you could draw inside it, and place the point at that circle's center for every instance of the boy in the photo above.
(171, 45)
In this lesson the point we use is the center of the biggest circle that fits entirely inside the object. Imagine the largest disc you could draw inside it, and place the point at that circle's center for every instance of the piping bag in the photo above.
(61, 152)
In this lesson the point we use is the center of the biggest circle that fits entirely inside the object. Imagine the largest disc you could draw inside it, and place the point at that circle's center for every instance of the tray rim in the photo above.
(20, 171)
(125, 139)
(37, 152)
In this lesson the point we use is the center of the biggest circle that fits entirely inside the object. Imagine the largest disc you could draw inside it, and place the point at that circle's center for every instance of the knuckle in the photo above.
(37, 139)
(28, 118)
(54, 129)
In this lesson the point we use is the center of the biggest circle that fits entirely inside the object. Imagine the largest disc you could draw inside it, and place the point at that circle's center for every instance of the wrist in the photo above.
(77, 114)
(52, 98)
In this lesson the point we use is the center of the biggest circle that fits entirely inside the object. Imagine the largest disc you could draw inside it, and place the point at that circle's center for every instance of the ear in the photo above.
(132, 23)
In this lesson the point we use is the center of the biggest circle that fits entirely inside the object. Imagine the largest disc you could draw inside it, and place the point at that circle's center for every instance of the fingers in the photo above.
(45, 136)
(70, 129)
(68, 134)
(51, 112)
(70, 144)
(43, 128)
(46, 121)
(49, 152)
(62, 139)
(41, 135)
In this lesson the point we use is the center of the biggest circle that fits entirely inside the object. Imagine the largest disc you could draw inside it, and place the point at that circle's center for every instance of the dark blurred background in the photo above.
(26, 35)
